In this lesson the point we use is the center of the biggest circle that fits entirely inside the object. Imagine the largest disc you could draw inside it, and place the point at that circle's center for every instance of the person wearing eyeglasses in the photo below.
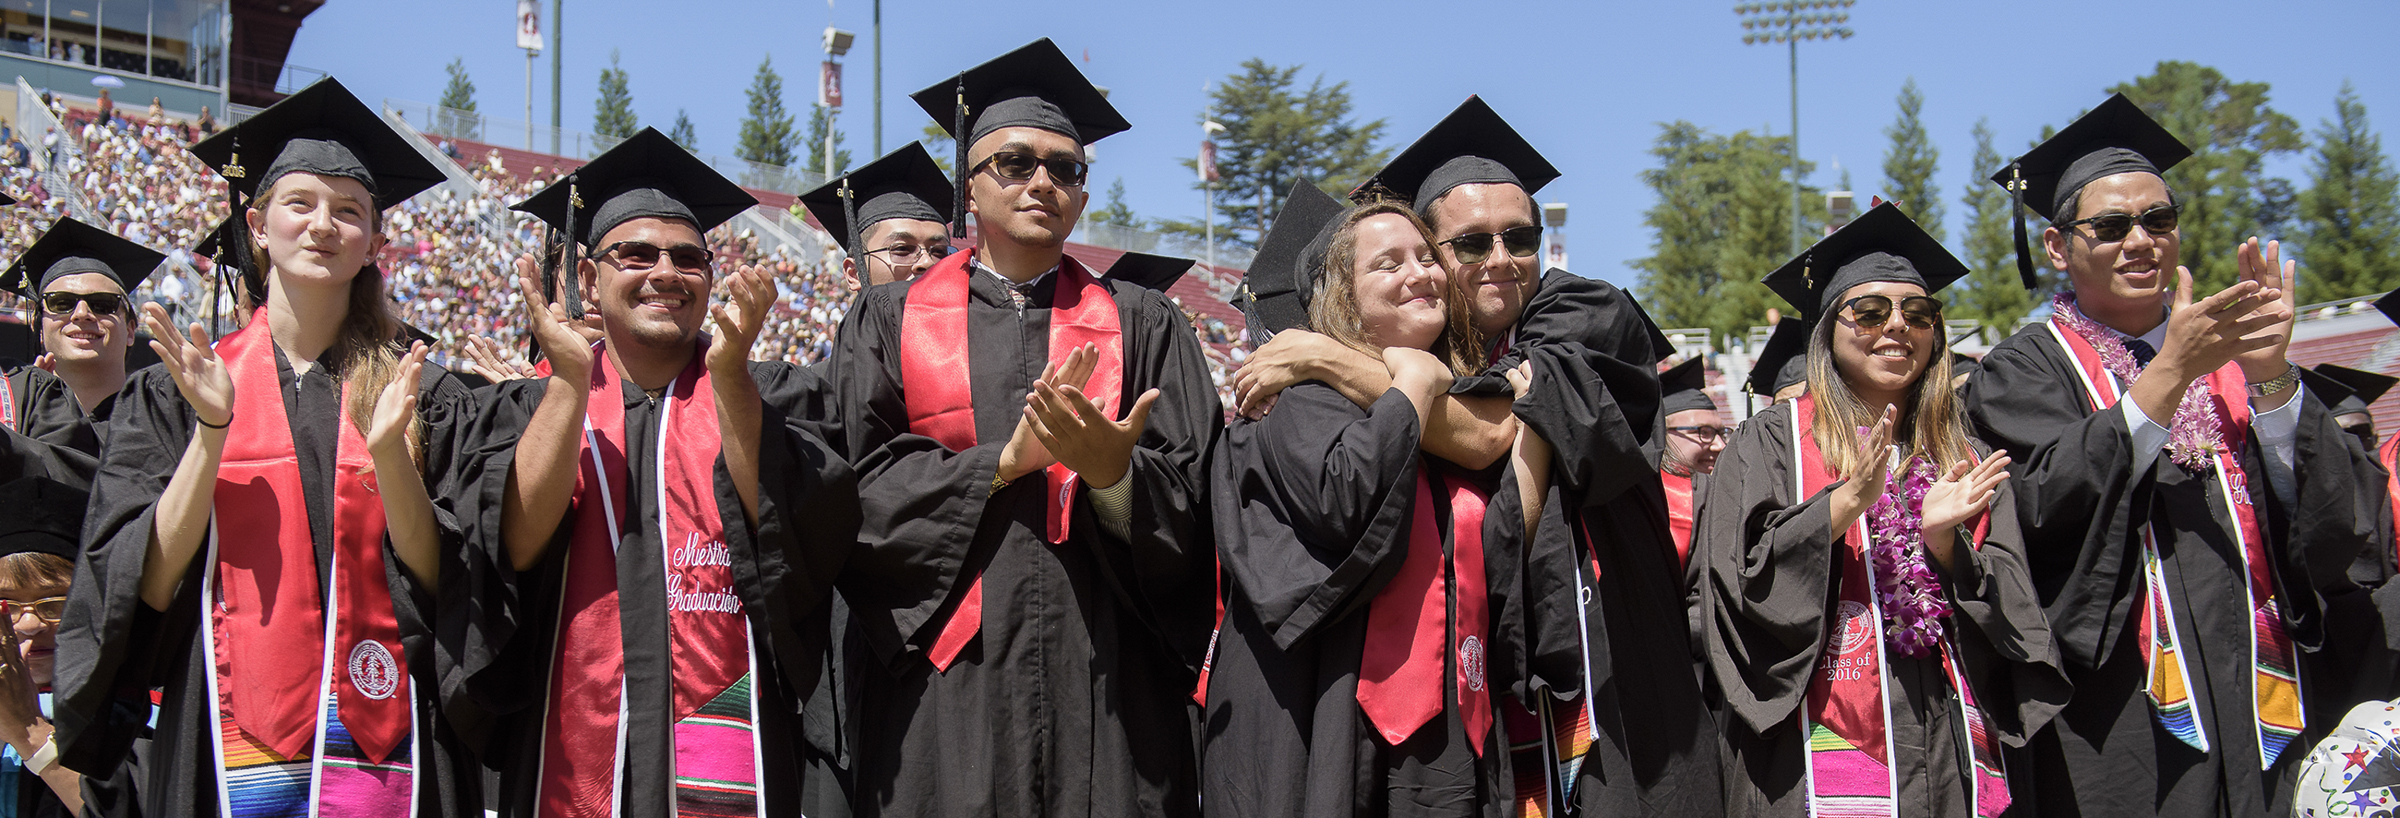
(1594, 398)
(37, 564)
(1033, 583)
(75, 278)
(2203, 524)
(1694, 434)
(653, 523)
(1865, 599)
(892, 215)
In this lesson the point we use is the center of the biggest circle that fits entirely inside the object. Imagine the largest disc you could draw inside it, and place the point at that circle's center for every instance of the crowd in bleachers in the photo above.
(450, 255)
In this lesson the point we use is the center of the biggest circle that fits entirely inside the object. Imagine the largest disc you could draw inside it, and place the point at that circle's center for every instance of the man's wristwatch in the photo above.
(2290, 377)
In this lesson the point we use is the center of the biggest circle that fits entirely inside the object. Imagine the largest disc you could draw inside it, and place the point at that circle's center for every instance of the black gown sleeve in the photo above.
(1769, 579)
(1999, 625)
(1315, 503)
(47, 411)
(485, 669)
(112, 647)
(1596, 385)
(807, 522)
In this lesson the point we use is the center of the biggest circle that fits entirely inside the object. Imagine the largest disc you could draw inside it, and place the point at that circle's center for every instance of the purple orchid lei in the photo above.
(2193, 437)
(1911, 596)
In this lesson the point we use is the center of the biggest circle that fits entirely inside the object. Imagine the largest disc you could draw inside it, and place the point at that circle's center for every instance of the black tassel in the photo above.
(856, 240)
(569, 261)
(958, 135)
(2016, 197)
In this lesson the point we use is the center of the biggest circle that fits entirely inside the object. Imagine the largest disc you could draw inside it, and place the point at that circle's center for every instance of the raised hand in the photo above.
(46, 362)
(485, 357)
(566, 341)
(1864, 486)
(18, 707)
(749, 295)
(1025, 453)
(1077, 432)
(396, 408)
(2272, 272)
(199, 374)
(1963, 491)
(2204, 335)
(1282, 361)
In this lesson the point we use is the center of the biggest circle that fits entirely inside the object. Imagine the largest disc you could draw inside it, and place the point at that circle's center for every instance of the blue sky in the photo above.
(1588, 82)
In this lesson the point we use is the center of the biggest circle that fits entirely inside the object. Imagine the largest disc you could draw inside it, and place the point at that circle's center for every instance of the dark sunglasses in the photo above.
(1018, 167)
(49, 610)
(642, 255)
(904, 254)
(1920, 311)
(2157, 221)
(1473, 248)
(64, 303)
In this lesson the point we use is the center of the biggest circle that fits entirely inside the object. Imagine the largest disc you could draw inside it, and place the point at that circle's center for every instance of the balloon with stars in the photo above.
(2355, 772)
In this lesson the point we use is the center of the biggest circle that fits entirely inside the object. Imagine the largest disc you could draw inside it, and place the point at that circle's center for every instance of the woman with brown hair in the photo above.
(1867, 608)
(1349, 674)
(261, 542)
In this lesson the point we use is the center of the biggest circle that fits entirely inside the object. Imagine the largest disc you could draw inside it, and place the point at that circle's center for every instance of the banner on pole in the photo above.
(1208, 161)
(529, 25)
(829, 85)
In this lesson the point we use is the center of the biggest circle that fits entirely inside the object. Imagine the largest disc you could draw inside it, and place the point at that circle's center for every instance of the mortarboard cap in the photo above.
(325, 130)
(2389, 304)
(645, 176)
(1782, 360)
(39, 515)
(2115, 138)
(1882, 245)
(70, 247)
(1148, 271)
(1283, 274)
(903, 184)
(2367, 387)
(1035, 86)
(1685, 388)
(1472, 145)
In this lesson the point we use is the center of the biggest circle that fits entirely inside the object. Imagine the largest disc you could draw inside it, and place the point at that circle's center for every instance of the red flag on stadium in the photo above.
(529, 25)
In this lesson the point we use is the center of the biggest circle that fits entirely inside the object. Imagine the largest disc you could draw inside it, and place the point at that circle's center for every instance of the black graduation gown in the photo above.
(1596, 402)
(1074, 697)
(1769, 599)
(825, 718)
(47, 411)
(2081, 507)
(113, 648)
(1313, 507)
(499, 627)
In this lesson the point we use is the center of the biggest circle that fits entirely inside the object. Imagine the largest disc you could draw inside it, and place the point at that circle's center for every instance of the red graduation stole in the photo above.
(2279, 713)
(269, 620)
(1847, 719)
(2389, 454)
(706, 629)
(934, 379)
(1409, 626)
(1679, 513)
(8, 405)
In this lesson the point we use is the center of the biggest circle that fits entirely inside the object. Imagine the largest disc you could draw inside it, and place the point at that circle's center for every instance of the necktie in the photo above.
(2142, 351)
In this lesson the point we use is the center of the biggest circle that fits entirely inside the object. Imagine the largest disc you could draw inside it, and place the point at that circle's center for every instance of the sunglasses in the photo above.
(2157, 221)
(901, 255)
(1473, 248)
(1920, 311)
(1018, 167)
(49, 609)
(642, 255)
(64, 303)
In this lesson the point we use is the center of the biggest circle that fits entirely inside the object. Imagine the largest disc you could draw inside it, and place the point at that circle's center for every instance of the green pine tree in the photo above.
(1276, 131)
(1116, 212)
(767, 136)
(1994, 293)
(613, 115)
(812, 148)
(2350, 214)
(683, 133)
(1909, 164)
(1718, 226)
(455, 117)
(2226, 194)
(937, 142)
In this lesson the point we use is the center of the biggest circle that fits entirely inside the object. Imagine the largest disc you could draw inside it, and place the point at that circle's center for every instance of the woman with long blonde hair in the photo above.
(262, 540)
(1868, 612)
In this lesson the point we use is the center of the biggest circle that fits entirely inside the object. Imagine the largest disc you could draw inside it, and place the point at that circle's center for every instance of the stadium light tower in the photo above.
(1789, 22)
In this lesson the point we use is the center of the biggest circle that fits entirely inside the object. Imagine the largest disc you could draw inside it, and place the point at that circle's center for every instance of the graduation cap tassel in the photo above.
(856, 240)
(2016, 197)
(958, 136)
(569, 290)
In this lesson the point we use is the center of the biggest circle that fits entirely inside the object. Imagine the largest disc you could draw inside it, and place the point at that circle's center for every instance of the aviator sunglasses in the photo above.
(1921, 312)
(2157, 221)
(1473, 248)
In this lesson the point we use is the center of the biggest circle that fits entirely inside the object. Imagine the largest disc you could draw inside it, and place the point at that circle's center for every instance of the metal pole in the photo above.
(829, 112)
(878, 78)
(1208, 215)
(1798, 235)
(529, 57)
(558, 54)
